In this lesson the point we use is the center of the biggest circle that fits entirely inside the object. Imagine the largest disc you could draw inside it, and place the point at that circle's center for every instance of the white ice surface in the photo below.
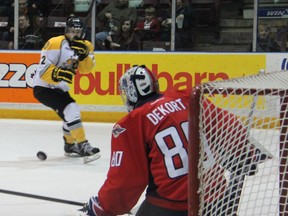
(57, 177)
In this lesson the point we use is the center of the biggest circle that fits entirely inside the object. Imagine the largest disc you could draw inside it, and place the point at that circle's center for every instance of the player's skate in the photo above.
(72, 150)
(88, 152)
(84, 150)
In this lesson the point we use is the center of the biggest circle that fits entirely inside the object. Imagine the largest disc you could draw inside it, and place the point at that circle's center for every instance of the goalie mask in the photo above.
(74, 28)
(136, 84)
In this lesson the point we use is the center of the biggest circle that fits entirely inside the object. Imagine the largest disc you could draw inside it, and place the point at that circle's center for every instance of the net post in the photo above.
(194, 151)
(283, 156)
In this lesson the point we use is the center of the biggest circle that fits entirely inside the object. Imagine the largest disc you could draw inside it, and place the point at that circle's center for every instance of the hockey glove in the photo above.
(80, 48)
(93, 208)
(65, 74)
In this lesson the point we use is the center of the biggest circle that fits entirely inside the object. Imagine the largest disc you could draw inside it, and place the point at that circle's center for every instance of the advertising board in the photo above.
(97, 92)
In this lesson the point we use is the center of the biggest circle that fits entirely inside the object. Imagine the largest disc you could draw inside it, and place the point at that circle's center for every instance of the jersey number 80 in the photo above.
(172, 147)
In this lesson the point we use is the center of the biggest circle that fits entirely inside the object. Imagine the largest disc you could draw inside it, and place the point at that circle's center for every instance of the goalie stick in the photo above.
(46, 198)
(34, 196)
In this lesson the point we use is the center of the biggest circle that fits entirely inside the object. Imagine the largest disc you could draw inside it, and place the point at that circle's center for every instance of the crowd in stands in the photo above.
(153, 25)
(119, 26)
(30, 12)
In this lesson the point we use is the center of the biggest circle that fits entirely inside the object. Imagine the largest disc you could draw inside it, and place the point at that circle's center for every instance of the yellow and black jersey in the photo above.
(57, 53)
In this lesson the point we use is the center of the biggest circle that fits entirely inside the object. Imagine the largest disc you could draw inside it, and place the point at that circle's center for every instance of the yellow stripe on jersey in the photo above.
(47, 74)
(54, 43)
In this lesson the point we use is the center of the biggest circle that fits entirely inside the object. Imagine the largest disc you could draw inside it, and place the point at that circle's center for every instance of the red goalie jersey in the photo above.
(149, 147)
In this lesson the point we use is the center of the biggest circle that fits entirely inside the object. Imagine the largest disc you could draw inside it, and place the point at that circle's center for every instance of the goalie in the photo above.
(149, 149)
(61, 58)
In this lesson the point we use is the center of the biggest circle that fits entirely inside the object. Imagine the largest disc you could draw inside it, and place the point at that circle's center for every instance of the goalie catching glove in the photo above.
(65, 74)
(80, 48)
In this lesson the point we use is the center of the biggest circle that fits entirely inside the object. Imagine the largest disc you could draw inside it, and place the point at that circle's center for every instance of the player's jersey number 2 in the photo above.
(172, 147)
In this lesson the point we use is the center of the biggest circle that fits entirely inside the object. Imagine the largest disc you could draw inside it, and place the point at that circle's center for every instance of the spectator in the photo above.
(266, 42)
(40, 10)
(149, 28)
(6, 7)
(283, 38)
(27, 38)
(40, 7)
(24, 9)
(10, 14)
(40, 26)
(125, 40)
(6, 10)
(185, 20)
(110, 18)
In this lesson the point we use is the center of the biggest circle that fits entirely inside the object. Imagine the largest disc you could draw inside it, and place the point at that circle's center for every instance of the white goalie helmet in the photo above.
(135, 84)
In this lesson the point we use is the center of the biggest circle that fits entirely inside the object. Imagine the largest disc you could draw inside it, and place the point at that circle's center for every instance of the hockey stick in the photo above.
(46, 18)
(51, 199)
(89, 12)
(88, 15)
(82, 36)
(34, 196)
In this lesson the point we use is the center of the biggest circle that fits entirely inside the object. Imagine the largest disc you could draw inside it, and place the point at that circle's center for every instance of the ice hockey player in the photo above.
(61, 58)
(149, 150)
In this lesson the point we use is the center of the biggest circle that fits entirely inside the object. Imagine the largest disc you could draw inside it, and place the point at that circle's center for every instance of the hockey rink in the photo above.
(69, 179)
(57, 177)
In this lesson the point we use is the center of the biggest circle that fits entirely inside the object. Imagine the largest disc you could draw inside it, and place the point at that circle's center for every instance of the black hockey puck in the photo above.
(41, 155)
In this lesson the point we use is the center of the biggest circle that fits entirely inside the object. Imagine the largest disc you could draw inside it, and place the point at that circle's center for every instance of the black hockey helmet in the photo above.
(73, 23)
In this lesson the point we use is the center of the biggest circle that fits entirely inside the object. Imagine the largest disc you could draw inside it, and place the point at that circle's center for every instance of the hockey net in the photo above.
(238, 147)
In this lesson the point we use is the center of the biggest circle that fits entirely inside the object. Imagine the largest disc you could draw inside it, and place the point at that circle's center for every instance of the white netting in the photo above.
(244, 146)
(275, 80)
